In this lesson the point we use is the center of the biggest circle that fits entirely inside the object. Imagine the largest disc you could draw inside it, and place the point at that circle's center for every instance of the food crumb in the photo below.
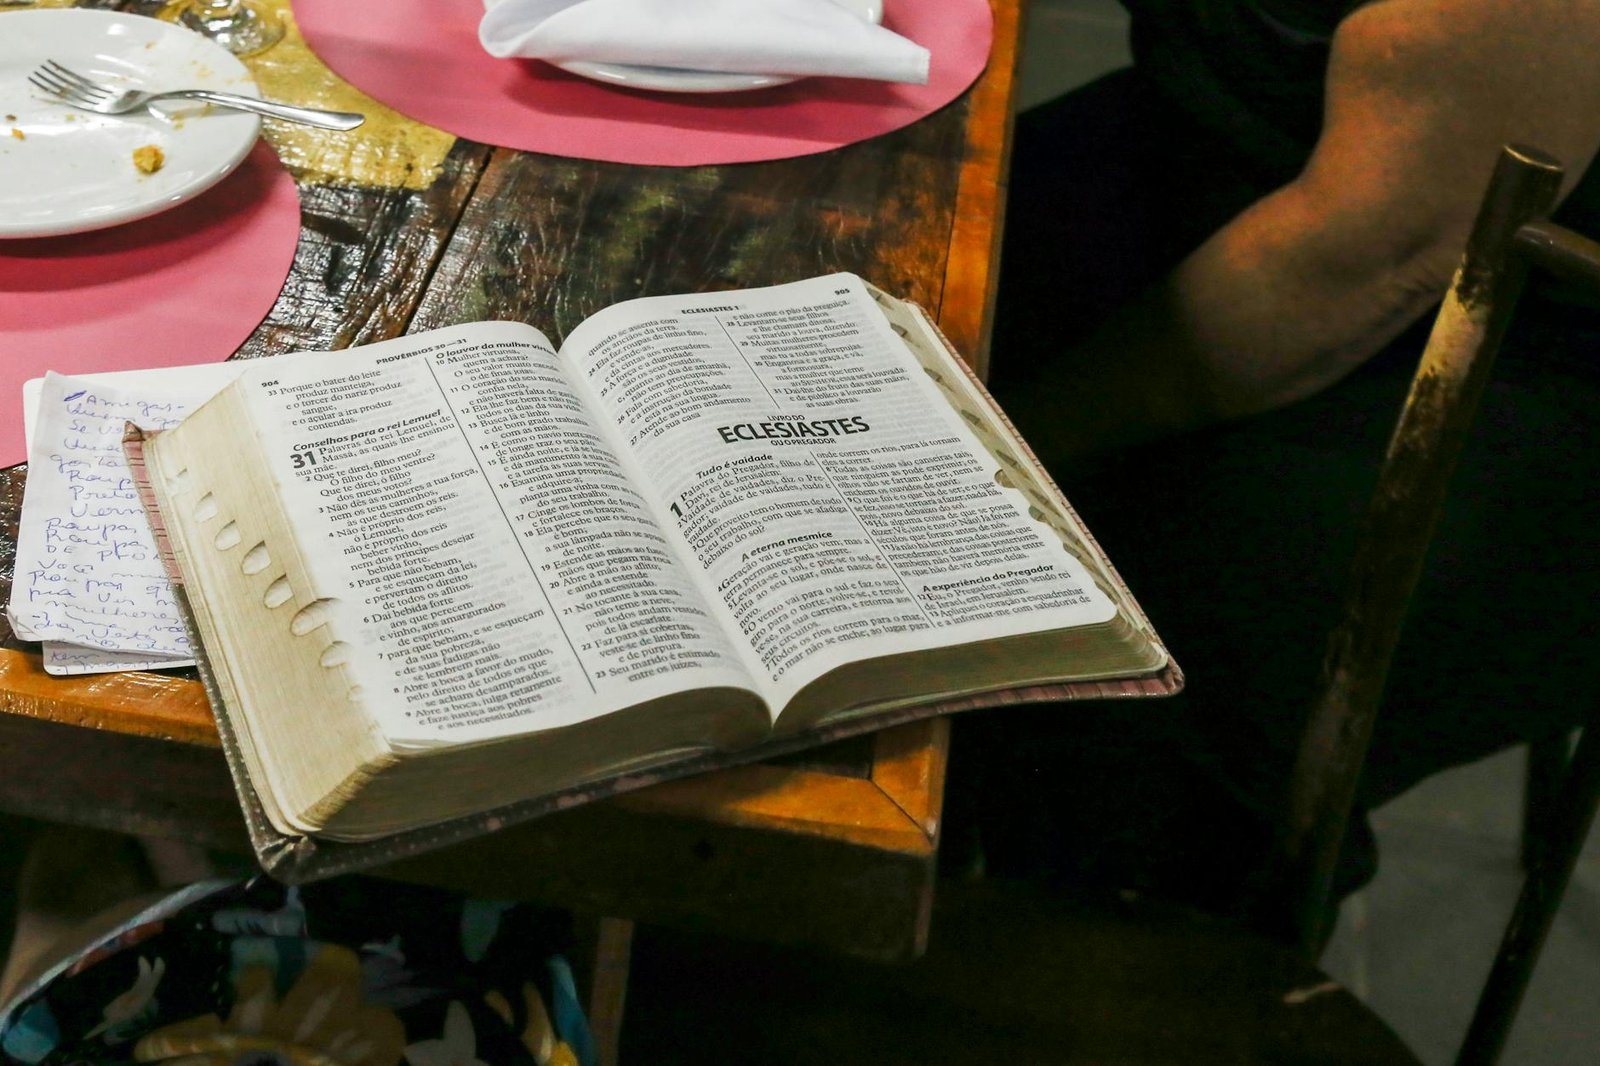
(11, 118)
(148, 158)
(18, 134)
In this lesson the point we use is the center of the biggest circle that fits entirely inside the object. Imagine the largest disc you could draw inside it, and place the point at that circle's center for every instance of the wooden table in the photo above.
(837, 851)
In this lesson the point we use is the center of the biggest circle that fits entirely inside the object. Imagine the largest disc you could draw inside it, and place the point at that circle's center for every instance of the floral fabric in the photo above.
(350, 972)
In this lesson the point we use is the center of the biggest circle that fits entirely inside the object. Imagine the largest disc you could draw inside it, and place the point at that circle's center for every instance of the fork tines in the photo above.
(58, 81)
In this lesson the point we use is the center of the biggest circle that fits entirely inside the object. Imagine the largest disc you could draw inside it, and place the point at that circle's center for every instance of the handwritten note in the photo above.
(71, 659)
(88, 573)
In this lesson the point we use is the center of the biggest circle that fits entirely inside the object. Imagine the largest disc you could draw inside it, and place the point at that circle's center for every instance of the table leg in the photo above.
(611, 941)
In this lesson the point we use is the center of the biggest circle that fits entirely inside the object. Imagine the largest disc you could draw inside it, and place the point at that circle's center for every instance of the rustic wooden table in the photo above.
(406, 228)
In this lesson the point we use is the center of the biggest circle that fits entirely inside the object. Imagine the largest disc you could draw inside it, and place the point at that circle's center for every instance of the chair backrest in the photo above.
(1512, 233)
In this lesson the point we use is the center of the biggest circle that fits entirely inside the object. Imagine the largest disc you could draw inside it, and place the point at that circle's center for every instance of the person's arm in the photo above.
(1319, 275)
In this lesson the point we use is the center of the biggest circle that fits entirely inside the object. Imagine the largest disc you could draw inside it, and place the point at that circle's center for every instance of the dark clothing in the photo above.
(1237, 539)
(1248, 72)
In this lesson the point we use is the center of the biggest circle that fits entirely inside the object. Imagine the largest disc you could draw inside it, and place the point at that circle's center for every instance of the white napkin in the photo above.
(787, 37)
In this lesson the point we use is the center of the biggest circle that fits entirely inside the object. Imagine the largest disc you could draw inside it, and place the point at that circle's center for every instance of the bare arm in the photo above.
(1319, 275)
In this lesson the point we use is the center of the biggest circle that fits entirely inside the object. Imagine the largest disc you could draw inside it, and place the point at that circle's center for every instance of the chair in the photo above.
(1511, 234)
(1516, 237)
(1011, 976)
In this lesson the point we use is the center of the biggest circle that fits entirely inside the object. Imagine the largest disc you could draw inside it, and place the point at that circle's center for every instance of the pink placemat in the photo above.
(185, 286)
(422, 58)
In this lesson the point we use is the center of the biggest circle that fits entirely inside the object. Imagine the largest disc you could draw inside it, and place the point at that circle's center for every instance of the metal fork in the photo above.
(74, 88)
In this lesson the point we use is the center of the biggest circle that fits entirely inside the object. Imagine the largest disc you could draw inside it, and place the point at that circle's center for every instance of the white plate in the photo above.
(676, 80)
(70, 170)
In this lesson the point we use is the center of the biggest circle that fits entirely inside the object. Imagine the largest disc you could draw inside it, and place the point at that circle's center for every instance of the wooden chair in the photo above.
(1011, 976)
(1504, 247)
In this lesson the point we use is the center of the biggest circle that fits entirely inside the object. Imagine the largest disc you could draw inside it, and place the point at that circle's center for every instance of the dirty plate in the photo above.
(64, 170)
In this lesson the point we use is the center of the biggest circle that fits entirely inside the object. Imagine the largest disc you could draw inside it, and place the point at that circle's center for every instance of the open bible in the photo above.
(443, 574)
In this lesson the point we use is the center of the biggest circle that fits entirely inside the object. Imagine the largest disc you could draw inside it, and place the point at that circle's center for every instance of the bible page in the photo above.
(837, 506)
(484, 556)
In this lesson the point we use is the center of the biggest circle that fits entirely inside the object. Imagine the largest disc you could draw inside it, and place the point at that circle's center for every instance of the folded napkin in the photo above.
(779, 37)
